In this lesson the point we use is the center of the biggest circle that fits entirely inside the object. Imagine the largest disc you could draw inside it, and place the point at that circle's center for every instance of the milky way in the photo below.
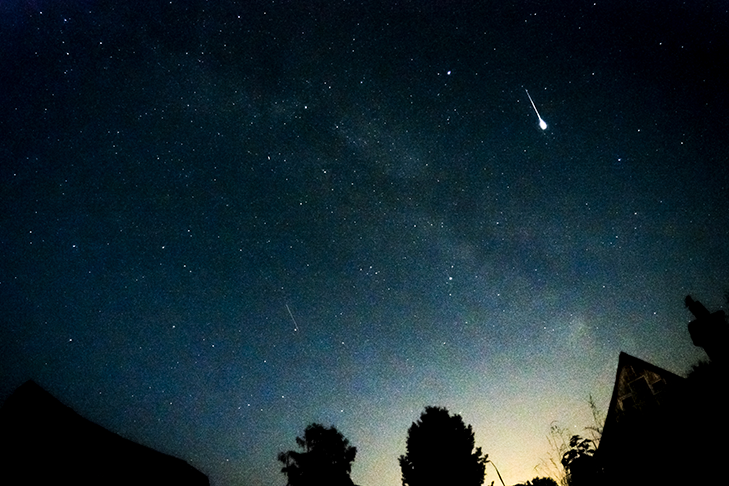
(222, 221)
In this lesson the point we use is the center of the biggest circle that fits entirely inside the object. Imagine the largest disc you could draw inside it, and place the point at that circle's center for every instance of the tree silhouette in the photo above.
(543, 482)
(326, 459)
(440, 450)
(539, 482)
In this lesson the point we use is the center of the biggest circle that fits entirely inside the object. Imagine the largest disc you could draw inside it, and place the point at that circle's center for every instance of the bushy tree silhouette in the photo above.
(539, 482)
(326, 459)
(440, 451)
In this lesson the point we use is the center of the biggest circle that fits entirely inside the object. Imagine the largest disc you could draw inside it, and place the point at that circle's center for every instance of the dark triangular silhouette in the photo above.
(42, 441)
(662, 428)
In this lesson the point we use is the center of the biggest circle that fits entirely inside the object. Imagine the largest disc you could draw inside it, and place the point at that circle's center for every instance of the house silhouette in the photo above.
(661, 428)
(45, 442)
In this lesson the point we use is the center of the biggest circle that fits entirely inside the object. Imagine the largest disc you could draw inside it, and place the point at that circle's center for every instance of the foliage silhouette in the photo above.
(559, 442)
(558, 439)
(598, 418)
(440, 451)
(580, 463)
(538, 481)
(326, 459)
(579, 448)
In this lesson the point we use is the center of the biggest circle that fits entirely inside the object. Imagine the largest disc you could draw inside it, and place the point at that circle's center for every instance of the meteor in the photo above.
(542, 123)
(296, 326)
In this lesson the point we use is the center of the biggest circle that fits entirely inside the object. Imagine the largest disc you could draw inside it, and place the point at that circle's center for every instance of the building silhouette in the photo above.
(43, 441)
(661, 428)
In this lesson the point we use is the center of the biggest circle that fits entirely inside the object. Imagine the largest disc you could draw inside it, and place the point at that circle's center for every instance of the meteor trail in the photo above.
(296, 326)
(542, 123)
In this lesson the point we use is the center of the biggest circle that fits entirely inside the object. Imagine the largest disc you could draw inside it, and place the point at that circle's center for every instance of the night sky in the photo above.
(222, 221)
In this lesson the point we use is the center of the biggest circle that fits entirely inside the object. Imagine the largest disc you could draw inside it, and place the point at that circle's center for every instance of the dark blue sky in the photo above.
(222, 221)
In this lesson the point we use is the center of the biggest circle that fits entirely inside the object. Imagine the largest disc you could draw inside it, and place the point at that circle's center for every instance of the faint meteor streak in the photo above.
(296, 326)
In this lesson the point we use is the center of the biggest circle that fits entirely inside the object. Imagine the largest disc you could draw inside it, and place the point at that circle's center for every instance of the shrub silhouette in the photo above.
(538, 481)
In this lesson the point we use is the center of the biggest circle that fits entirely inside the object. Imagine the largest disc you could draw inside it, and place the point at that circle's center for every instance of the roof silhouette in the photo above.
(44, 441)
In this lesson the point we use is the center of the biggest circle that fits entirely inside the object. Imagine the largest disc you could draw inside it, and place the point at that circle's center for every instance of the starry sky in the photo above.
(222, 221)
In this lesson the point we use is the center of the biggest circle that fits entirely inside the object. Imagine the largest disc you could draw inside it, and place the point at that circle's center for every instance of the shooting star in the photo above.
(542, 123)
(296, 326)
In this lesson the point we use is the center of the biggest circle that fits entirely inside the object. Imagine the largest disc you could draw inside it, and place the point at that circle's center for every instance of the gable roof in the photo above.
(44, 441)
(639, 387)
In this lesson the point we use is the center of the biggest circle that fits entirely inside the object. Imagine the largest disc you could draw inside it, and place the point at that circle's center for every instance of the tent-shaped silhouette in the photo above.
(661, 428)
(44, 442)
